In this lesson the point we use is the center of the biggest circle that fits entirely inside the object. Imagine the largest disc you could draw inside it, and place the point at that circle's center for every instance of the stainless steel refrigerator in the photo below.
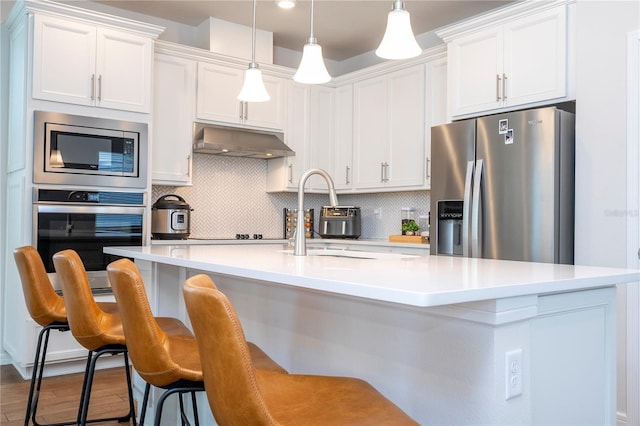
(502, 187)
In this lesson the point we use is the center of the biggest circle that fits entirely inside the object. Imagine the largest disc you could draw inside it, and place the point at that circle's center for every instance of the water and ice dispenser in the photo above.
(450, 227)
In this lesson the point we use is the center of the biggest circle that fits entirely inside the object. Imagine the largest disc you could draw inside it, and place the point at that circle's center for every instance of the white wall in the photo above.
(602, 28)
(4, 70)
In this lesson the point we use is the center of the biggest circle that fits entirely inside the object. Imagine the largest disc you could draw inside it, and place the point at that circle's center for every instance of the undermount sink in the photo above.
(355, 254)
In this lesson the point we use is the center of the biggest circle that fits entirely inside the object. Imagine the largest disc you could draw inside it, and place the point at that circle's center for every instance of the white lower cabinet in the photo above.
(389, 126)
(173, 116)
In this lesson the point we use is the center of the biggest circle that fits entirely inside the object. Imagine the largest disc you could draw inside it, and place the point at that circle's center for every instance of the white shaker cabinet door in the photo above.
(535, 59)
(173, 115)
(406, 120)
(343, 137)
(371, 133)
(123, 68)
(218, 88)
(270, 114)
(283, 174)
(64, 60)
(476, 71)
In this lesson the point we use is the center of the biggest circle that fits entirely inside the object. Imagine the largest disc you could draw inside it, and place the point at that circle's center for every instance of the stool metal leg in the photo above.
(179, 390)
(83, 410)
(38, 371)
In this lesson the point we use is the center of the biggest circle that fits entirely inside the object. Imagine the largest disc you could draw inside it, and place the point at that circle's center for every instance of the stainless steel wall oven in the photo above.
(76, 150)
(87, 221)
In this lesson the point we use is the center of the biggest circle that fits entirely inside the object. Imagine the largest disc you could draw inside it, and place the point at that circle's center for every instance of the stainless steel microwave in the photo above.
(77, 150)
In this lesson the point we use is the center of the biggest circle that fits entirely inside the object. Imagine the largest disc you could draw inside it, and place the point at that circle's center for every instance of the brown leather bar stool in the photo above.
(240, 395)
(168, 360)
(47, 309)
(98, 331)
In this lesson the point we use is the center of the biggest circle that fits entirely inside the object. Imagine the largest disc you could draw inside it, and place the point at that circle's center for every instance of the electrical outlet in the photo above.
(513, 373)
(377, 213)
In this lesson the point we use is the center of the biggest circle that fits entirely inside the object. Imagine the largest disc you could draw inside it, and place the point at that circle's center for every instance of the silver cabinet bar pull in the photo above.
(246, 110)
(93, 87)
(504, 87)
(241, 111)
(100, 87)
(290, 173)
(381, 172)
(346, 177)
(189, 165)
(427, 173)
(498, 87)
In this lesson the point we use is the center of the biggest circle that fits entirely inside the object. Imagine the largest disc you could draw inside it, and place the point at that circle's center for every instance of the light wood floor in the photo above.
(60, 396)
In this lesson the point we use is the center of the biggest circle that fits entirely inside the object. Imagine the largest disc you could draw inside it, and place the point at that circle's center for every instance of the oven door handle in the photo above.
(75, 209)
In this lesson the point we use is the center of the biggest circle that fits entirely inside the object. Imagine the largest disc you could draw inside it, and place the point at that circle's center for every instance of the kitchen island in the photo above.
(450, 340)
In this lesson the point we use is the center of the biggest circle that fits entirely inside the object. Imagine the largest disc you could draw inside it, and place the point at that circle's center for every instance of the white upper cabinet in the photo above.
(218, 88)
(283, 174)
(173, 116)
(389, 126)
(85, 64)
(436, 106)
(521, 61)
(331, 137)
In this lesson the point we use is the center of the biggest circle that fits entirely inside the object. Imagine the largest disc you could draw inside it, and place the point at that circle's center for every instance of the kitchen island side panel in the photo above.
(442, 365)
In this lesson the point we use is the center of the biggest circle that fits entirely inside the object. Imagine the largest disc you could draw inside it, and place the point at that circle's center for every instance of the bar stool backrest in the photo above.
(44, 305)
(145, 338)
(229, 375)
(92, 327)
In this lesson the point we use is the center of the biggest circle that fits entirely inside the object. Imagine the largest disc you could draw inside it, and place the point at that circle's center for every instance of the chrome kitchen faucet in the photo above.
(300, 248)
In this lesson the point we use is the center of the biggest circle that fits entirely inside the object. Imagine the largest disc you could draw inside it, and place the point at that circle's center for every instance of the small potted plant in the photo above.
(410, 227)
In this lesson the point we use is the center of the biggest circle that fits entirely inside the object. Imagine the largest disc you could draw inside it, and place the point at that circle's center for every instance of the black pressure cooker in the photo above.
(170, 218)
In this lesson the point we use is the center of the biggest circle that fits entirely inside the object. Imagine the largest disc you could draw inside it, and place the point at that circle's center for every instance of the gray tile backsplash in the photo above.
(228, 197)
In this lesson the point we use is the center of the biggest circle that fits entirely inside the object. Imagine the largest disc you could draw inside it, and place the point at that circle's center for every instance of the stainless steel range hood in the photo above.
(239, 141)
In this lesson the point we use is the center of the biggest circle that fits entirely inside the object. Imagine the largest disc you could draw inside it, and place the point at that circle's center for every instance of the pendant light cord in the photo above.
(253, 35)
(312, 38)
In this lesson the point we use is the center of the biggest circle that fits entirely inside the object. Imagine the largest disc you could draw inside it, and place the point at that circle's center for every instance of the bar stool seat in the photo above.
(168, 359)
(47, 309)
(240, 395)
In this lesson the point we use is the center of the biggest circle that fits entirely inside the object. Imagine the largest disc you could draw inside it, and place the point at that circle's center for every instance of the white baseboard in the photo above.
(4, 358)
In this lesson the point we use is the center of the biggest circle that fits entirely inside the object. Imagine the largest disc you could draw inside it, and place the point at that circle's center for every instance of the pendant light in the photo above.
(398, 41)
(253, 89)
(312, 69)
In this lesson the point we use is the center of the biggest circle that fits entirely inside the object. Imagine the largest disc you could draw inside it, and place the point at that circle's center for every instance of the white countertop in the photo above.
(421, 281)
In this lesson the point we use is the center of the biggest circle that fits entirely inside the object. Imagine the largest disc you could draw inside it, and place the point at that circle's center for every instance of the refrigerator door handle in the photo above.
(466, 214)
(476, 214)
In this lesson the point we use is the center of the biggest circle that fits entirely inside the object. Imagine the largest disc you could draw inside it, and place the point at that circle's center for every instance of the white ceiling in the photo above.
(343, 28)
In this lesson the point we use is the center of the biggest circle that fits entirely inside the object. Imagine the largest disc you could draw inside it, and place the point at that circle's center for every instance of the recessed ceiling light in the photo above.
(286, 4)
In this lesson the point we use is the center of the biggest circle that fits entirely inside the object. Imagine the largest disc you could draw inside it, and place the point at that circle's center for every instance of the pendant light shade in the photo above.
(312, 69)
(398, 41)
(253, 89)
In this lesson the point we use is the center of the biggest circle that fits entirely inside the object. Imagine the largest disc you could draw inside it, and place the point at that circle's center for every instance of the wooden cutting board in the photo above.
(418, 239)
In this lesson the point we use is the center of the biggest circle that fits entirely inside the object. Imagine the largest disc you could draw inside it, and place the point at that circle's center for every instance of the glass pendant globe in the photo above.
(253, 89)
(398, 41)
(312, 69)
